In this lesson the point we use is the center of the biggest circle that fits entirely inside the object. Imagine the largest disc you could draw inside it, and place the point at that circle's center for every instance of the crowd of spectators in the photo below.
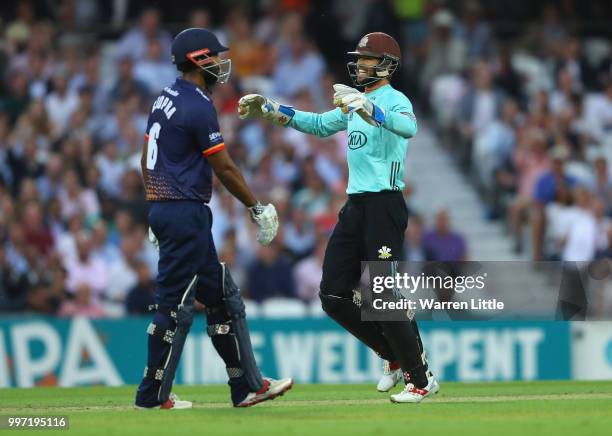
(529, 121)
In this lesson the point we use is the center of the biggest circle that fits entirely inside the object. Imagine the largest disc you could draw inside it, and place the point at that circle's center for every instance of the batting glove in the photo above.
(255, 105)
(350, 100)
(153, 239)
(267, 220)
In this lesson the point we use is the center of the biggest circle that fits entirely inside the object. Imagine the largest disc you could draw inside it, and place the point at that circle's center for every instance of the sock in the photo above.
(417, 376)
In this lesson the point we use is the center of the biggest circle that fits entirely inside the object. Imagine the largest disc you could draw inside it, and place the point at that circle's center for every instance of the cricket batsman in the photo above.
(183, 146)
(371, 224)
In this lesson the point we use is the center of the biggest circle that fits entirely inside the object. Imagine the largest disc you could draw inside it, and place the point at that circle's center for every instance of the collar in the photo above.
(180, 82)
(378, 91)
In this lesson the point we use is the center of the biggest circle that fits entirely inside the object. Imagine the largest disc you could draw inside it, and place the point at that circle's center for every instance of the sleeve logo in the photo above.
(214, 136)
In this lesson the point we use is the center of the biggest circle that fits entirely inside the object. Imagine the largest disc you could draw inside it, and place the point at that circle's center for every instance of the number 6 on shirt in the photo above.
(152, 145)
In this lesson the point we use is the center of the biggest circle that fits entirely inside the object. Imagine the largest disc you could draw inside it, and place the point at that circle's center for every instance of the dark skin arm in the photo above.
(231, 177)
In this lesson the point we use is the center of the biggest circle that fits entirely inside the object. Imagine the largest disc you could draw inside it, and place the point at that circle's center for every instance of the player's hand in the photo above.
(255, 105)
(153, 239)
(350, 100)
(267, 220)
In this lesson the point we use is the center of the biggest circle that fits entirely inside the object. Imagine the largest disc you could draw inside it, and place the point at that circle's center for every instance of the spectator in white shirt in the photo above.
(76, 200)
(580, 240)
(86, 269)
(61, 104)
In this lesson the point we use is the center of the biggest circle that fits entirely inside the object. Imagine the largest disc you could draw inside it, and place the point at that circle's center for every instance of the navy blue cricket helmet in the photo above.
(197, 45)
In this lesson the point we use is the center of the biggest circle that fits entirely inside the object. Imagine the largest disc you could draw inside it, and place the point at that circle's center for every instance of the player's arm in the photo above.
(230, 176)
(398, 119)
(401, 121)
(322, 125)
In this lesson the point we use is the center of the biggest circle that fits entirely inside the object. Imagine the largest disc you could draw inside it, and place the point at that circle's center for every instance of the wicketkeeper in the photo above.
(371, 224)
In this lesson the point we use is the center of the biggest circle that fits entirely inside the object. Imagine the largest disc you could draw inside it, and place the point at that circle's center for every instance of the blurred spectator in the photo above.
(301, 69)
(75, 199)
(126, 84)
(603, 183)
(308, 273)
(479, 108)
(446, 52)
(14, 285)
(135, 43)
(531, 161)
(572, 60)
(414, 251)
(155, 70)
(580, 242)
(475, 32)
(86, 273)
(50, 183)
(61, 104)
(547, 190)
(83, 304)
(492, 153)
(141, 295)
(18, 98)
(249, 56)
(442, 243)
(598, 113)
(103, 248)
(299, 237)
(111, 169)
(37, 234)
(270, 275)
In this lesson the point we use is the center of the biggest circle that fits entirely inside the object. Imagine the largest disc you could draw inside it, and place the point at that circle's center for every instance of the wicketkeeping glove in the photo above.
(255, 105)
(350, 100)
(267, 220)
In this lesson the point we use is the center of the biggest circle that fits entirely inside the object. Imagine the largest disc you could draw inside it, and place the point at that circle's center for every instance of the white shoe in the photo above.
(390, 378)
(270, 390)
(412, 394)
(174, 402)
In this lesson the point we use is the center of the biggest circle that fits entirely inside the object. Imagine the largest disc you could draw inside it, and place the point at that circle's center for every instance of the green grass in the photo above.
(514, 408)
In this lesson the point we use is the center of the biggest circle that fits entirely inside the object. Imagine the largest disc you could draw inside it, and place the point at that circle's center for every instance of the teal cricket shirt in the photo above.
(375, 155)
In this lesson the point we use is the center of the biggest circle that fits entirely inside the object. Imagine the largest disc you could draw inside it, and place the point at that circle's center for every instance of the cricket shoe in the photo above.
(174, 402)
(412, 394)
(392, 374)
(270, 390)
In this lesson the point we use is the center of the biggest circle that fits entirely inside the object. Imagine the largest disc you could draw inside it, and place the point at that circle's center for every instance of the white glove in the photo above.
(350, 100)
(267, 220)
(255, 105)
(153, 239)
(250, 106)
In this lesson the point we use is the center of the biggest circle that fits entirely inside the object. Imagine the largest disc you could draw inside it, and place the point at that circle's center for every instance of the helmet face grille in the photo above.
(221, 70)
(383, 70)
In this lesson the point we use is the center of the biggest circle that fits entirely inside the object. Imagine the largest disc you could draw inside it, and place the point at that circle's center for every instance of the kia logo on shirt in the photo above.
(357, 140)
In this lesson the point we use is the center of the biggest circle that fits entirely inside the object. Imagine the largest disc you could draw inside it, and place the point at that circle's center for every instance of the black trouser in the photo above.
(370, 227)
(367, 223)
